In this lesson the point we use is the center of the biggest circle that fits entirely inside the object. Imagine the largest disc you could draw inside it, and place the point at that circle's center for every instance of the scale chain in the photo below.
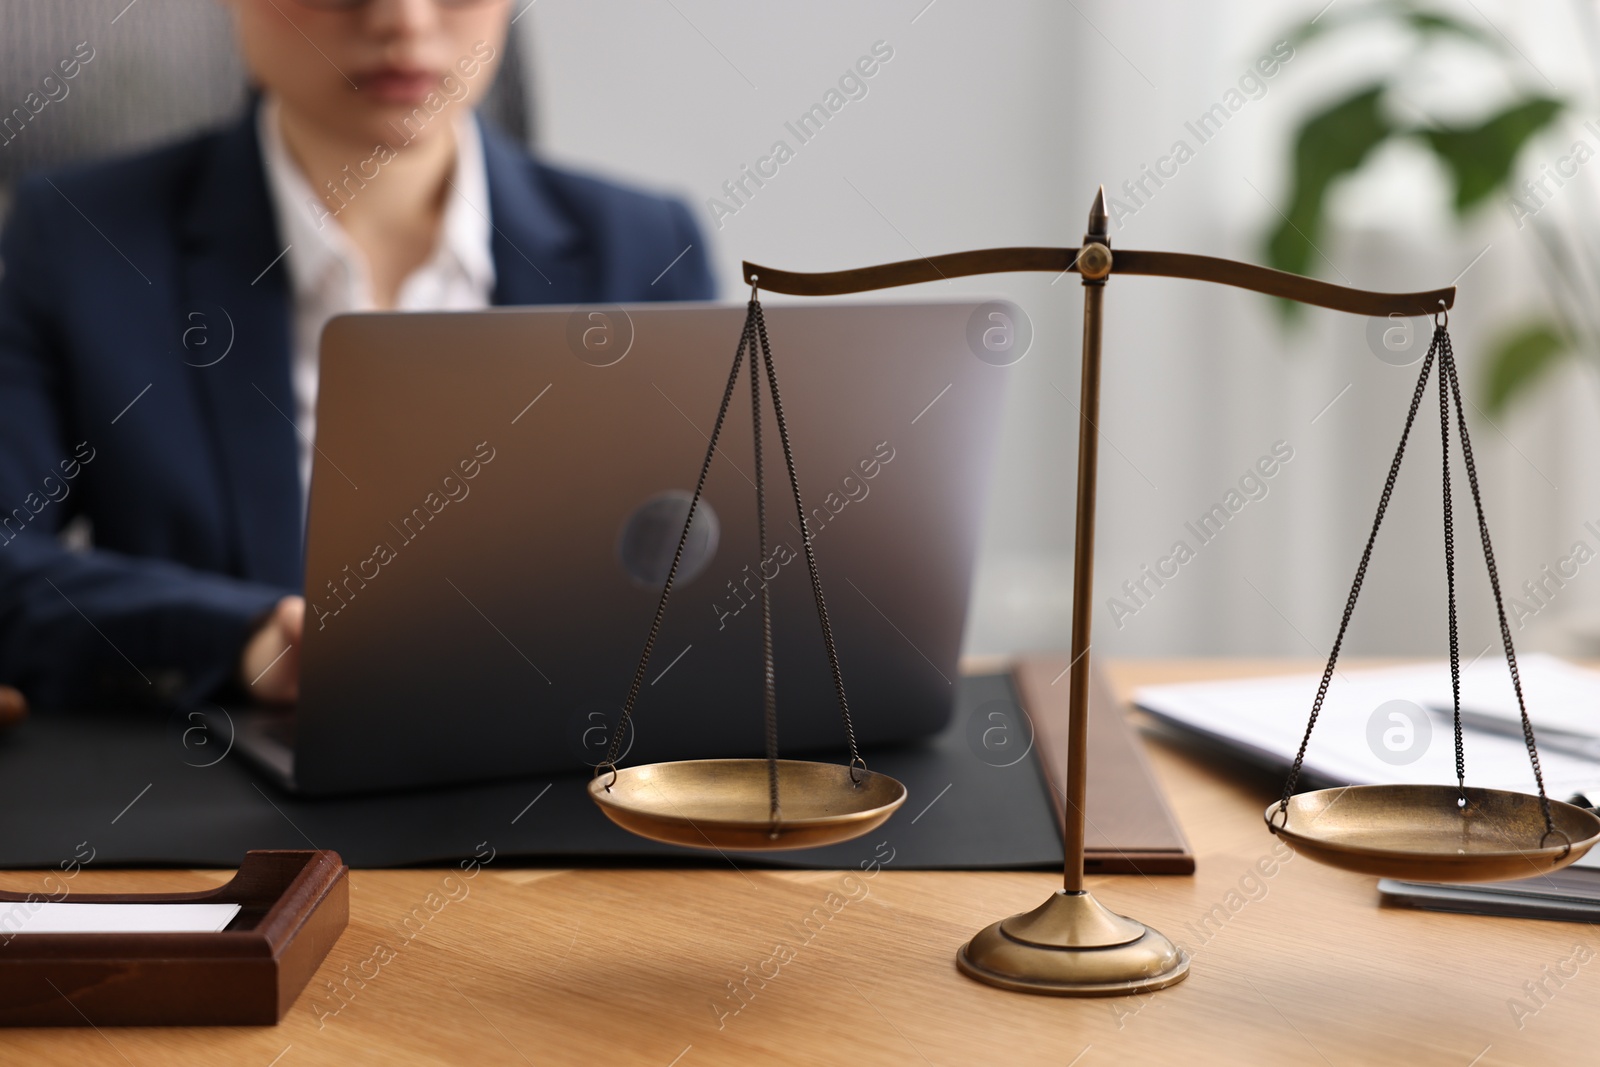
(754, 327)
(770, 707)
(805, 537)
(1448, 366)
(746, 341)
(1361, 574)
(1450, 576)
(1449, 389)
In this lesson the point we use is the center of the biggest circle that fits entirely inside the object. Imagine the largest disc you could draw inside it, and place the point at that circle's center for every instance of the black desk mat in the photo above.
(126, 790)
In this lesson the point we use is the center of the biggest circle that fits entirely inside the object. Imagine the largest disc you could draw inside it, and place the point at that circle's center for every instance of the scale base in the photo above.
(1073, 946)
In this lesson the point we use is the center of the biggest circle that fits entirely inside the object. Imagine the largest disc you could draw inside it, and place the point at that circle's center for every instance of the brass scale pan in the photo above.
(723, 803)
(1421, 833)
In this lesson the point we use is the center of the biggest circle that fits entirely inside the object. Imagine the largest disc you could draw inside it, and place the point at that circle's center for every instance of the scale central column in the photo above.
(1072, 945)
(1095, 245)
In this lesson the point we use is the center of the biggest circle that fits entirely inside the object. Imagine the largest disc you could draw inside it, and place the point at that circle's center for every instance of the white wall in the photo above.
(992, 125)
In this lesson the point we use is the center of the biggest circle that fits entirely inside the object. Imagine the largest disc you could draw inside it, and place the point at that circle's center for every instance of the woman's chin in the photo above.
(395, 127)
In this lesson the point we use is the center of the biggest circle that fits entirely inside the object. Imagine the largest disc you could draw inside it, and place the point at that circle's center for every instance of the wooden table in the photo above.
(520, 966)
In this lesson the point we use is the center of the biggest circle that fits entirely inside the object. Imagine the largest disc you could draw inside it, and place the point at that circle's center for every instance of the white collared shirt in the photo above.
(328, 274)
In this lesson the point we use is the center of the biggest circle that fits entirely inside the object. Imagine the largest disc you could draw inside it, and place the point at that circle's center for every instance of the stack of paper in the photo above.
(1393, 724)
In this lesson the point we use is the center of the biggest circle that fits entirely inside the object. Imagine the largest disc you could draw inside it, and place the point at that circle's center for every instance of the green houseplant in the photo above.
(1480, 156)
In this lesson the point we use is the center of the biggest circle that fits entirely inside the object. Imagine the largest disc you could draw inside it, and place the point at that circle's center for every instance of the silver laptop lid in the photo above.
(496, 495)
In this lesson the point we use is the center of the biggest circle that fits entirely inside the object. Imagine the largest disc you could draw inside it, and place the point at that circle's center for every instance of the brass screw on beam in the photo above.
(1094, 261)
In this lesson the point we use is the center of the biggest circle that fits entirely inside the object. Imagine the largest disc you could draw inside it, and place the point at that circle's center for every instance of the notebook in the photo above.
(1572, 893)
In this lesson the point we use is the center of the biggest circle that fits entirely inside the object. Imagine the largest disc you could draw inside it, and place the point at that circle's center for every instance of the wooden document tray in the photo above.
(295, 904)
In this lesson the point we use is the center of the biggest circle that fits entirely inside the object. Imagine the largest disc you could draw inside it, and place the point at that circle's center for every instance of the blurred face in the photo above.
(357, 70)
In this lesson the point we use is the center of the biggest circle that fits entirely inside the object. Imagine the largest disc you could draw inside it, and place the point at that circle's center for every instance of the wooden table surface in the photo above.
(523, 966)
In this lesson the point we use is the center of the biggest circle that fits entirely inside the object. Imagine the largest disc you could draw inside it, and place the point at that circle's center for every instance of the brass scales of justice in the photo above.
(1072, 944)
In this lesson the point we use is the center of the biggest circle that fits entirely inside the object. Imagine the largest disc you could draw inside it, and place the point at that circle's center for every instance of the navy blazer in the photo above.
(187, 473)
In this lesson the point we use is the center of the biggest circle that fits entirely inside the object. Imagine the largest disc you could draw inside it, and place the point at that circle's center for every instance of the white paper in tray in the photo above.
(65, 917)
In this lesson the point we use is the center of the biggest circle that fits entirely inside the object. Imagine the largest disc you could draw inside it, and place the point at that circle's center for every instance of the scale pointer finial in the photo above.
(1097, 215)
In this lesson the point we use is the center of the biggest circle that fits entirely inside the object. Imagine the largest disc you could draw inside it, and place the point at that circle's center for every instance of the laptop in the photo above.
(496, 497)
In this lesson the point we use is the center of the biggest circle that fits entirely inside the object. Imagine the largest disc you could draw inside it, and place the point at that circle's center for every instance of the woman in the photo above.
(159, 318)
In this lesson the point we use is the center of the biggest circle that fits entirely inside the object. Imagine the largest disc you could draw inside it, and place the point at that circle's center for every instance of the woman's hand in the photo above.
(13, 706)
(269, 668)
